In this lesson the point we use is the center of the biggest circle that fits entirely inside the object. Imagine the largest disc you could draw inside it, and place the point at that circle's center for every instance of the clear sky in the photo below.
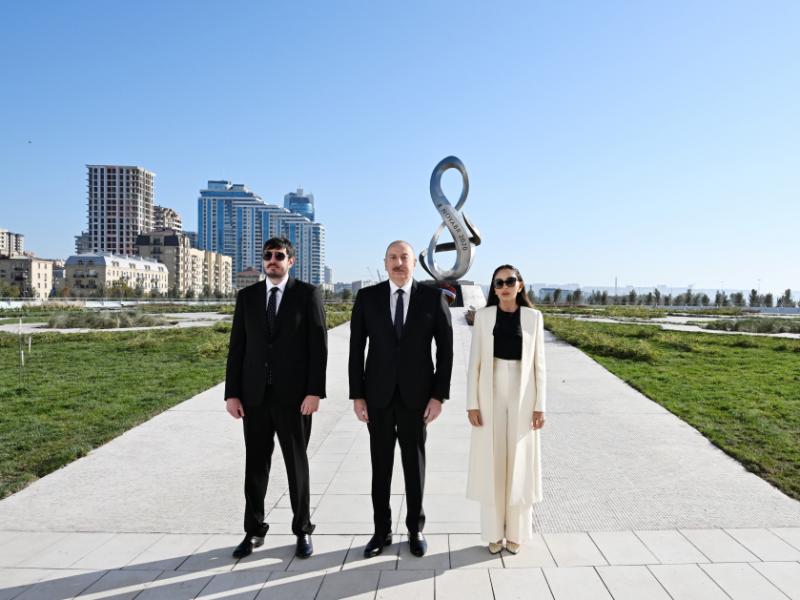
(658, 142)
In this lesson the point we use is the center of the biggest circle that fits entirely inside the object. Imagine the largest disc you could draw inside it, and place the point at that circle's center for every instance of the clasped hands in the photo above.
(474, 416)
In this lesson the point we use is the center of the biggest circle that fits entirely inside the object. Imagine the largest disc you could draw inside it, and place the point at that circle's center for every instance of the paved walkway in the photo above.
(199, 319)
(638, 505)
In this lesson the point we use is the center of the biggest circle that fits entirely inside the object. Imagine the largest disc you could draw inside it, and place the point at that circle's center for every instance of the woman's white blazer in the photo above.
(526, 462)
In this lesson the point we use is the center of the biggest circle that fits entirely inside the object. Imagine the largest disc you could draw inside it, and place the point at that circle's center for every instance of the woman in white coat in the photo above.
(505, 406)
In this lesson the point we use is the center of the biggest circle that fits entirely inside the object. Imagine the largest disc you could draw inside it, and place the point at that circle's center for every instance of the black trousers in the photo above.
(261, 423)
(397, 422)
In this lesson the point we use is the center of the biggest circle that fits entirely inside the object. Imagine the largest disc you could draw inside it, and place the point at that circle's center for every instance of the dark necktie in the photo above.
(398, 315)
(272, 311)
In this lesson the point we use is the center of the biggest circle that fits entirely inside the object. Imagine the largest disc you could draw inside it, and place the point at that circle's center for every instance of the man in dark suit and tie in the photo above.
(398, 391)
(274, 381)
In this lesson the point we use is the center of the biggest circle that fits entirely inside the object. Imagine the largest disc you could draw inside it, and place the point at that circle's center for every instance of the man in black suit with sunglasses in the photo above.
(274, 380)
(397, 391)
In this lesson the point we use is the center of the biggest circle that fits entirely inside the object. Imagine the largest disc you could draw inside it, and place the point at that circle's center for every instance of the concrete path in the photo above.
(184, 320)
(680, 324)
(638, 505)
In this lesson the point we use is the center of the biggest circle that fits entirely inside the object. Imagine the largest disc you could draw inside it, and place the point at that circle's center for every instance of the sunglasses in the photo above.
(509, 281)
(279, 256)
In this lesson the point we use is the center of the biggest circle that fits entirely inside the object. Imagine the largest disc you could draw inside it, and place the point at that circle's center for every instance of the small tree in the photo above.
(569, 298)
(347, 293)
(754, 300)
(738, 299)
(604, 298)
(577, 295)
(705, 300)
(557, 295)
(206, 291)
(768, 300)
(189, 293)
(649, 299)
(668, 300)
(632, 297)
(657, 296)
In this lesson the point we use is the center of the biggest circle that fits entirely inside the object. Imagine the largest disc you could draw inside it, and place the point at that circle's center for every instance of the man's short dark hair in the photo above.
(279, 243)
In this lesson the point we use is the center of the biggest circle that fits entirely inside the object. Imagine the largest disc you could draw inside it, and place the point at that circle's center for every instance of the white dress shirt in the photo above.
(281, 285)
(406, 297)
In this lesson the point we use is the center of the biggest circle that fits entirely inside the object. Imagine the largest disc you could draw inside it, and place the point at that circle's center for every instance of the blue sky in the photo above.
(655, 142)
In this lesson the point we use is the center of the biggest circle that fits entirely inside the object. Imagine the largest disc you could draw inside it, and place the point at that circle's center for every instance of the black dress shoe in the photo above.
(246, 547)
(304, 547)
(417, 543)
(376, 544)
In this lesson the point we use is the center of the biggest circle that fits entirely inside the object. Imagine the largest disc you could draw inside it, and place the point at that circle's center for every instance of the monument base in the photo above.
(460, 293)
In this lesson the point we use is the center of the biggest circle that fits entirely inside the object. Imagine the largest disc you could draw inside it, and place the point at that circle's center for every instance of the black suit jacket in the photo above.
(296, 353)
(407, 363)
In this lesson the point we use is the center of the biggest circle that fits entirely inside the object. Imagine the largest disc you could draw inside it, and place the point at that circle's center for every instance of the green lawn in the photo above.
(83, 389)
(741, 392)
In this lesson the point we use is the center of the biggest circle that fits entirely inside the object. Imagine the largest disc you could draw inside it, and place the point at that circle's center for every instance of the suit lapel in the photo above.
(286, 302)
(386, 309)
(260, 305)
(413, 305)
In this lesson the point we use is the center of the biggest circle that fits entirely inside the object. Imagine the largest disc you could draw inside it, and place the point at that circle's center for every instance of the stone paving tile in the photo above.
(213, 555)
(353, 585)
(66, 551)
(788, 534)
(168, 553)
(534, 553)
(387, 560)
(448, 508)
(687, 582)
(469, 552)
(622, 548)
(436, 559)
(120, 585)
(783, 575)
(573, 550)
(291, 586)
(402, 585)
(275, 555)
(670, 547)
(118, 551)
(172, 585)
(742, 582)
(474, 584)
(576, 583)
(765, 544)
(238, 585)
(27, 546)
(718, 546)
(519, 584)
(57, 584)
(632, 583)
(350, 508)
(329, 554)
(14, 581)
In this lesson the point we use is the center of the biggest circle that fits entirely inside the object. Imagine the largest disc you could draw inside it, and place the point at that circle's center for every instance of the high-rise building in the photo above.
(11, 244)
(236, 222)
(120, 207)
(192, 235)
(328, 275)
(166, 218)
(300, 203)
(83, 243)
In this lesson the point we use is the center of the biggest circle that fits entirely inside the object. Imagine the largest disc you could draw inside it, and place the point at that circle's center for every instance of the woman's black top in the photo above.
(508, 335)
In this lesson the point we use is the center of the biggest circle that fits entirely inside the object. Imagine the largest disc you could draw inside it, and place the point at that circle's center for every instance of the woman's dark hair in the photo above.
(279, 243)
(522, 295)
